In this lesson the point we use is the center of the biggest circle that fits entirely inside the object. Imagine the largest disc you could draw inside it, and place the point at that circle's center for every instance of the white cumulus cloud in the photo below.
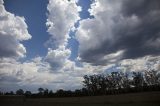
(13, 30)
(62, 15)
(58, 57)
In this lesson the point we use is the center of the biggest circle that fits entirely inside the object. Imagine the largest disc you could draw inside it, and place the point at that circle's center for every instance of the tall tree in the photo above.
(28, 93)
(20, 92)
(138, 79)
(41, 90)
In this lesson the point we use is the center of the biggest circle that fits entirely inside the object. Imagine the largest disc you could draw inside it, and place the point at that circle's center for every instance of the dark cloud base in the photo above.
(135, 39)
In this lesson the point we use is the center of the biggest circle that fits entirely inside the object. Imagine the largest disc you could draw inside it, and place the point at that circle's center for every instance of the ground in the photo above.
(132, 99)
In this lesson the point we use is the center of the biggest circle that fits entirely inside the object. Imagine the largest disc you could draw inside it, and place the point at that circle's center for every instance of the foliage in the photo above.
(20, 92)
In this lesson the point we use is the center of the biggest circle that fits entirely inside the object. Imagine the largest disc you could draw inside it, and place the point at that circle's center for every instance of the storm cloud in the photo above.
(121, 29)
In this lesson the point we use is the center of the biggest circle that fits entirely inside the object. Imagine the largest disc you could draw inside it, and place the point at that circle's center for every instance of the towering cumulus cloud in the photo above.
(61, 19)
(62, 15)
(54, 70)
(120, 29)
(13, 30)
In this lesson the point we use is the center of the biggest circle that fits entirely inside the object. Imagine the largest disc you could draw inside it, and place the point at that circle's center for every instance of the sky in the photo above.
(54, 43)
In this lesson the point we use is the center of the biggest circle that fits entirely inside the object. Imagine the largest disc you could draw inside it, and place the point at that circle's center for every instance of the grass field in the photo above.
(132, 99)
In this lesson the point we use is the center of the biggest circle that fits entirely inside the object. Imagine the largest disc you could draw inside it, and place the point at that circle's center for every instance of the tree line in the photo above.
(120, 82)
(103, 84)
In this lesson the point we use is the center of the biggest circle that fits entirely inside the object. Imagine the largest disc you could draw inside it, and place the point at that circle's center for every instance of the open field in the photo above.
(132, 99)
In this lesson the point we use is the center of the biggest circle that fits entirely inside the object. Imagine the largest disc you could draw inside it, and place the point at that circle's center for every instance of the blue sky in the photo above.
(35, 14)
(54, 43)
